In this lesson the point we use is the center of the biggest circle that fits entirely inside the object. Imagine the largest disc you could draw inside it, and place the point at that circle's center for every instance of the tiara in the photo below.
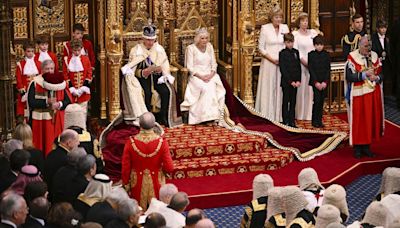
(201, 31)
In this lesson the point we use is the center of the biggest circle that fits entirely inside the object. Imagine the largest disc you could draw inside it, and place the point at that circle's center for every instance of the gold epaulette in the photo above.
(302, 223)
(257, 206)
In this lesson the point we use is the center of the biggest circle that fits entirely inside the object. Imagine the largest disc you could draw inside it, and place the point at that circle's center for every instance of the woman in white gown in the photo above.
(303, 42)
(205, 93)
(269, 92)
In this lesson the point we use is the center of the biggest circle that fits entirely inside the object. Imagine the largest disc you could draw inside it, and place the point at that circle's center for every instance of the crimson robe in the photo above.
(23, 81)
(87, 46)
(145, 158)
(78, 79)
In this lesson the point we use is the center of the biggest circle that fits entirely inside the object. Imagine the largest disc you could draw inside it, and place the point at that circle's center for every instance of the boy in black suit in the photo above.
(289, 65)
(380, 45)
(319, 66)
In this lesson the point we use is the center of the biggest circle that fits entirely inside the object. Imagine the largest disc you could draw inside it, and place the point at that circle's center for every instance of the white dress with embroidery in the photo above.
(304, 101)
(269, 91)
(203, 100)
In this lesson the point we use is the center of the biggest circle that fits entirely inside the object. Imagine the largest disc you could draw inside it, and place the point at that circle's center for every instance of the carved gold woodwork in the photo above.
(335, 101)
(59, 51)
(82, 15)
(19, 52)
(50, 19)
(296, 7)
(102, 60)
(262, 9)
(20, 22)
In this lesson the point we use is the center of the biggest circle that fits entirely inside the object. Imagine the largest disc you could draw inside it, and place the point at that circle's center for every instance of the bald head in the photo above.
(69, 138)
(39, 207)
(194, 216)
(179, 202)
(205, 223)
(147, 121)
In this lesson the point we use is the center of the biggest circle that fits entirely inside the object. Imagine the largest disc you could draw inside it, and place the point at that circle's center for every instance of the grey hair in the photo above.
(179, 201)
(10, 204)
(202, 32)
(67, 135)
(75, 155)
(117, 195)
(363, 39)
(11, 145)
(46, 62)
(86, 163)
(126, 208)
(147, 120)
(167, 191)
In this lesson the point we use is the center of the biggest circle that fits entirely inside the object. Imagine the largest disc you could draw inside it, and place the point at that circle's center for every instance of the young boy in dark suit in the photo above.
(319, 66)
(289, 65)
(381, 45)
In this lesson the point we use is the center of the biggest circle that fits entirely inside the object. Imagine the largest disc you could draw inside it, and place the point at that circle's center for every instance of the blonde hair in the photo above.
(199, 33)
(275, 11)
(23, 132)
(301, 16)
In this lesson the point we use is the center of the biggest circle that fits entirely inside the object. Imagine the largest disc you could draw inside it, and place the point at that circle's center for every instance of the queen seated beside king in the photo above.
(205, 93)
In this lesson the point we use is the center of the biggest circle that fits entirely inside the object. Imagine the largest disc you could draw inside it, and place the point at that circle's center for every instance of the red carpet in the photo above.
(338, 167)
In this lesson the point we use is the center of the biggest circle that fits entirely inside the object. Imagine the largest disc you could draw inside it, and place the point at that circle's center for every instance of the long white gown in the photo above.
(203, 100)
(269, 91)
(304, 101)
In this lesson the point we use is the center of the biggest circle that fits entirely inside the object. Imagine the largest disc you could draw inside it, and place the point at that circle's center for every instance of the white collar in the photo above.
(44, 55)
(75, 64)
(381, 36)
(41, 221)
(8, 222)
(30, 67)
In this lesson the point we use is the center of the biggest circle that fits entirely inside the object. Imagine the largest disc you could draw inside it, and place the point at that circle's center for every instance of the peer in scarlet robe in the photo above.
(364, 98)
(48, 96)
(145, 158)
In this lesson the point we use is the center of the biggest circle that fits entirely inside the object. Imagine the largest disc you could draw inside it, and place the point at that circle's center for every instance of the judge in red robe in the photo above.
(48, 96)
(25, 71)
(364, 98)
(77, 34)
(145, 158)
(78, 75)
(44, 53)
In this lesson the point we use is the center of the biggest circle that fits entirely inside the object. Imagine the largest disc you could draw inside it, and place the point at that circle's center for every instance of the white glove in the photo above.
(126, 70)
(24, 97)
(85, 89)
(165, 78)
(73, 91)
(79, 92)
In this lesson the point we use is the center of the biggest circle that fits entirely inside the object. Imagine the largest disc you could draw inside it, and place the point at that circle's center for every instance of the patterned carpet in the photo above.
(359, 193)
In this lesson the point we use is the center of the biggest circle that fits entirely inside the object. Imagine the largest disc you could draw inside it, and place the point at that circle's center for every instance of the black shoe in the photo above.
(321, 125)
(293, 125)
(366, 151)
(285, 123)
(317, 125)
(357, 151)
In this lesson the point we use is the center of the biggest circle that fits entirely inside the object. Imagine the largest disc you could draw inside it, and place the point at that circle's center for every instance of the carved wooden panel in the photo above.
(50, 17)
(82, 15)
(20, 22)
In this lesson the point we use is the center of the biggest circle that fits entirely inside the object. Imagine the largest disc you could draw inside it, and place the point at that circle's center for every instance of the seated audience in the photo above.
(35, 189)
(62, 180)
(57, 158)
(336, 195)
(62, 215)
(23, 132)
(155, 220)
(86, 170)
(193, 216)
(256, 211)
(38, 210)
(18, 159)
(165, 194)
(394, 224)
(295, 205)
(392, 203)
(13, 210)
(311, 187)
(8, 148)
(335, 225)
(91, 225)
(173, 213)
(105, 211)
(128, 213)
(97, 190)
(205, 223)
(375, 215)
(327, 214)
(28, 174)
(390, 182)
(275, 212)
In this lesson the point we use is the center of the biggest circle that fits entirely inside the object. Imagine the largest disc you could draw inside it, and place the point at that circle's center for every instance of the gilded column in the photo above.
(102, 59)
(235, 50)
(114, 54)
(6, 89)
(247, 42)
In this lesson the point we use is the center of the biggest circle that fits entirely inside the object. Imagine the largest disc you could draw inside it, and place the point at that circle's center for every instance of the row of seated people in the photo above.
(312, 205)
